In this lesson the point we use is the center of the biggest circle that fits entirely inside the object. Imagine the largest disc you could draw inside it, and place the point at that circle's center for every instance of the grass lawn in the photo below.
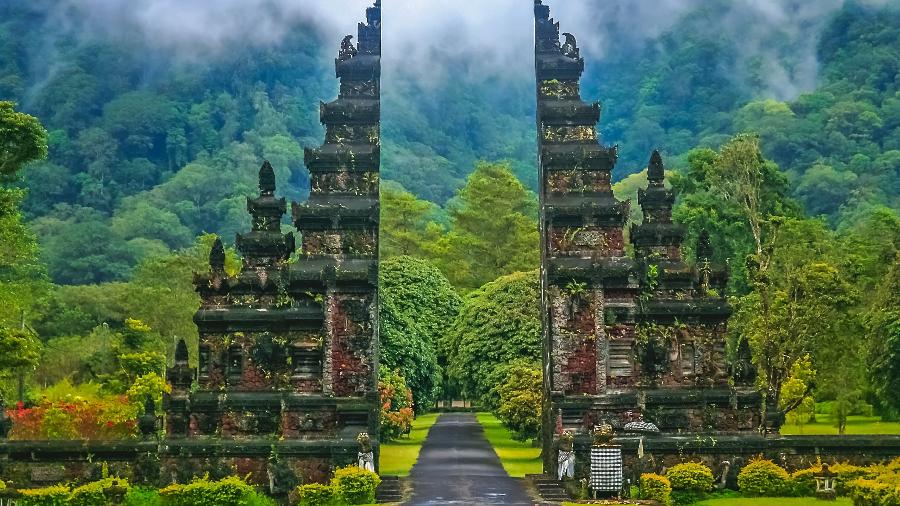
(764, 501)
(774, 501)
(518, 458)
(855, 425)
(398, 457)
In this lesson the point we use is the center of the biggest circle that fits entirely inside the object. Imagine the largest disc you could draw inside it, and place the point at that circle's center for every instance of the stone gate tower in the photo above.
(626, 337)
(288, 351)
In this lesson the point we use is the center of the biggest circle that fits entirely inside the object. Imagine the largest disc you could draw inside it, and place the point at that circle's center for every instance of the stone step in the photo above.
(390, 490)
(549, 488)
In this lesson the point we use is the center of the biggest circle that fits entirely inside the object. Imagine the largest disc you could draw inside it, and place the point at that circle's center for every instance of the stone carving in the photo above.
(348, 50)
(365, 457)
(602, 435)
(570, 47)
(566, 460)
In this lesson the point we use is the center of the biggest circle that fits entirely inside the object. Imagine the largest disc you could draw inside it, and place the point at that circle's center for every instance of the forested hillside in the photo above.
(148, 150)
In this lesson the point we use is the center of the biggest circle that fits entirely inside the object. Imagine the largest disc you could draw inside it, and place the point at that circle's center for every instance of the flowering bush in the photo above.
(396, 405)
(112, 418)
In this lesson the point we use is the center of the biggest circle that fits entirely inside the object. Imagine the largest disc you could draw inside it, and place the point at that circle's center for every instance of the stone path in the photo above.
(457, 465)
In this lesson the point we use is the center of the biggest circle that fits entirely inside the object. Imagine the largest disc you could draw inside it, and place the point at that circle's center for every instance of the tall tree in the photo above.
(416, 304)
(22, 139)
(493, 228)
(407, 223)
(497, 324)
(883, 323)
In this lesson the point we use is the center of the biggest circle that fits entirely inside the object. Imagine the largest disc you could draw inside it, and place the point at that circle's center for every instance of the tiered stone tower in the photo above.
(287, 358)
(625, 338)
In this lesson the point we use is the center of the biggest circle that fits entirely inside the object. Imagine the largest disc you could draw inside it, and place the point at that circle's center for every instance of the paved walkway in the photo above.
(457, 465)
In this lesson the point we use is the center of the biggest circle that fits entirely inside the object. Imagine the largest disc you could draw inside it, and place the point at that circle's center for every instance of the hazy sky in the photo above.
(420, 35)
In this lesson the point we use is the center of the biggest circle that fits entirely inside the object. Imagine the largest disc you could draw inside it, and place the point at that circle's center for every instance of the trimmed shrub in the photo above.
(765, 478)
(225, 492)
(657, 488)
(139, 496)
(56, 495)
(804, 480)
(355, 485)
(691, 476)
(315, 494)
(881, 491)
(94, 493)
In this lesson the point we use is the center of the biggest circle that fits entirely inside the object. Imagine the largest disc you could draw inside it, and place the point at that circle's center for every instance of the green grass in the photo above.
(774, 501)
(763, 501)
(518, 458)
(398, 457)
(855, 425)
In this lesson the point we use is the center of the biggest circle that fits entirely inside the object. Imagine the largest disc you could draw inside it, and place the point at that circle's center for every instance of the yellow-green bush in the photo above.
(804, 480)
(94, 493)
(691, 476)
(655, 487)
(315, 494)
(225, 492)
(355, 485)
(56, 495)
(763, 477)
(884, 490)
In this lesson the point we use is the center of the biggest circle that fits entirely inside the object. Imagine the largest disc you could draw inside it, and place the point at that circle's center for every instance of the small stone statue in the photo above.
(602, 435)
(366, 457)
(566, 468)
(570, 47)
(348, 50)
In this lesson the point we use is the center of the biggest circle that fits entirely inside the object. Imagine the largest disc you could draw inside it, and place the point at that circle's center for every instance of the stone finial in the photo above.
(704, 248)
(267, 179)
(217, 256)
(147, 422)
(602, 434)
(656, 172)
(181, 353)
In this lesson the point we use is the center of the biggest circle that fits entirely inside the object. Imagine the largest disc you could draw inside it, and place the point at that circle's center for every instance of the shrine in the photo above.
(287, 358)
(627, 338)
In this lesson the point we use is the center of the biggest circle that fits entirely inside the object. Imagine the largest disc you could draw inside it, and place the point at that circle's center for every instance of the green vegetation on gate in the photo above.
(518, 458)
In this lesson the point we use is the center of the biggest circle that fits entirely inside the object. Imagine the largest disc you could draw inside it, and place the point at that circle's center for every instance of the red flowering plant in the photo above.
(109, 418)
(396, 405)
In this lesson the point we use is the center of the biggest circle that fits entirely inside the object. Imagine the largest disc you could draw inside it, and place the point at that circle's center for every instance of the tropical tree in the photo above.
(416, 304)
(493, 228)
(22, 139)
(498, 324)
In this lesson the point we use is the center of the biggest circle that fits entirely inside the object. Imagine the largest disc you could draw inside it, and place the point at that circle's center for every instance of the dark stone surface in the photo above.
(457, 465)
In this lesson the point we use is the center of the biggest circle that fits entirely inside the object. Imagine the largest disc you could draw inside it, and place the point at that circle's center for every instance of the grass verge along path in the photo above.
(855, 425)
(398, 457)
(773, 501)
(518, 458)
